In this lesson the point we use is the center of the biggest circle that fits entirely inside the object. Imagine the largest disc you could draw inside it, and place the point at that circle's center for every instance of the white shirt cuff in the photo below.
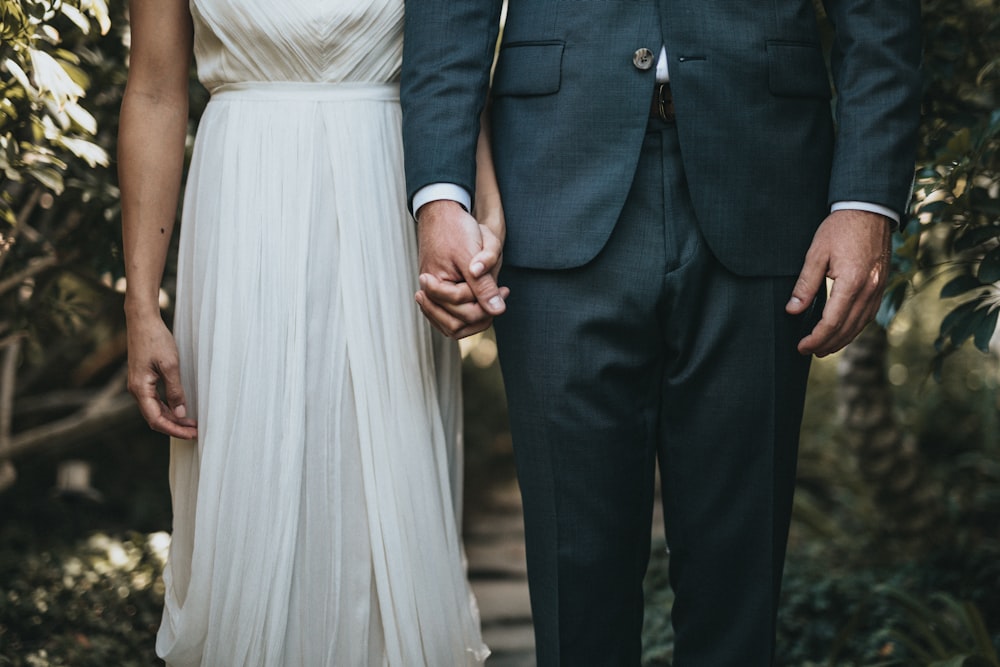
(439, 191)
(866, 206)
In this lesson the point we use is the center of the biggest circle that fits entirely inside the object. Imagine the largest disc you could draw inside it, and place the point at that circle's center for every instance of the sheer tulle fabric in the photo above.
(315, 518)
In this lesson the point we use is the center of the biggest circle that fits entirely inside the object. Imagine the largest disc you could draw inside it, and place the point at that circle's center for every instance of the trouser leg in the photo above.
(653, 348)
(580, 355)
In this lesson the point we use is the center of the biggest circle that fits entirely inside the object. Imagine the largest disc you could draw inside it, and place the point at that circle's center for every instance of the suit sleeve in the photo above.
(448, 49)
(876, 71)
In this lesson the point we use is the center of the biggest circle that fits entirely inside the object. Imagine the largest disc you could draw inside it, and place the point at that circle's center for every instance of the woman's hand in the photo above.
(152, 359)
(493, 229)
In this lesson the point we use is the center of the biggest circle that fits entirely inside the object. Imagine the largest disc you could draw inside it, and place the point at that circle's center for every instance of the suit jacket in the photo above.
(752, 94)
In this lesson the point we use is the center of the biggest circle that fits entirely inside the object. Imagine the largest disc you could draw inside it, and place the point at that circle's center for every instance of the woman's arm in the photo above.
(151, 135)
(488, 208)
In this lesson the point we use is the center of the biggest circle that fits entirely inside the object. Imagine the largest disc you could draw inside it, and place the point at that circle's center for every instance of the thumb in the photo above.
(487, 293)
(807, 285)
(487, 259)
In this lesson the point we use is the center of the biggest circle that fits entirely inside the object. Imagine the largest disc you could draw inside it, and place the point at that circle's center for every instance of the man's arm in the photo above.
(447, 54)
(876, 71)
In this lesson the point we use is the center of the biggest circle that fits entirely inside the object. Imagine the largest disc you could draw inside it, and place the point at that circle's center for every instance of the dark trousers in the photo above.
(654, 351)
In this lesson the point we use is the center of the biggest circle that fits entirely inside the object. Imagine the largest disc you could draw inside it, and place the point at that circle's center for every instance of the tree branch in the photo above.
(8, 376)
(35, 267)
(76, 428)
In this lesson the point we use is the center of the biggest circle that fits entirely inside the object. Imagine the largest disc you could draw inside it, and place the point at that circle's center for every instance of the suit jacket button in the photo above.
(643, 59)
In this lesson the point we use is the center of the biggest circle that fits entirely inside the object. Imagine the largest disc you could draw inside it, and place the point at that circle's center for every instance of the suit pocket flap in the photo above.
(797, 70)
(524, 68)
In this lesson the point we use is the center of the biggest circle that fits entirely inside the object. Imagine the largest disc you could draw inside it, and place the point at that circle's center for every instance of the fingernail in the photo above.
(180, 412)
(794, 301)
(477, 269)
(496, 303)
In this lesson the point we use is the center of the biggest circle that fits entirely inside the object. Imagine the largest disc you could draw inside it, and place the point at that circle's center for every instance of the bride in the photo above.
(315, 419)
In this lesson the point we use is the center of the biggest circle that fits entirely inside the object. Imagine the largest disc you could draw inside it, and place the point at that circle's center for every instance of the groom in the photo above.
(676, 195)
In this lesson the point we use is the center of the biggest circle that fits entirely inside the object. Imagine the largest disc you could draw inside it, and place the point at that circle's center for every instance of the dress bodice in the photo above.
(297, 40)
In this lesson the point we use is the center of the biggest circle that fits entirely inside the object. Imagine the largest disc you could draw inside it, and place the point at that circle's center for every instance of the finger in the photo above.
(161, 418)
(808, 284)
(487, 292)
(420, 298)
(156, 413)
(452, 318)
(467, 313)
(481, 325)
(859, 317)
(472, 330)
(457, 300)
(442, 320)
(184, 429)
(486, 259)
(835, 313)
(173, 389)
(446, 291)
(849, 310)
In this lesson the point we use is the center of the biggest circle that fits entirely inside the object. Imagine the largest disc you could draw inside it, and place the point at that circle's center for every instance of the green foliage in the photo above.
(93, 605)
(854, 616)
(943, 633)
(955, 226)
(835, 616)
(43, 126)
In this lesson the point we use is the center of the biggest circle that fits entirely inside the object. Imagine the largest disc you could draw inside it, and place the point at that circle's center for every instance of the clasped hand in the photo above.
(459, 263)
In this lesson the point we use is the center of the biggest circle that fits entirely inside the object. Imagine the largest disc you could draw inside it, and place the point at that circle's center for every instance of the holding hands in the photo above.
(459, 262)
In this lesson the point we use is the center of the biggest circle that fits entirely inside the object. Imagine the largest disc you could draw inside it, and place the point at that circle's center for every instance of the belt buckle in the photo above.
(665, 102)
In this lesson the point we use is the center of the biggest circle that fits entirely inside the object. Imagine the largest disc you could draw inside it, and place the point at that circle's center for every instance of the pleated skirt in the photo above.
(315, 518)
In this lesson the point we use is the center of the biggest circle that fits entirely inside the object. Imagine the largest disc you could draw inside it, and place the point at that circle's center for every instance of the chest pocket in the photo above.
(529, 68)
(797, 69)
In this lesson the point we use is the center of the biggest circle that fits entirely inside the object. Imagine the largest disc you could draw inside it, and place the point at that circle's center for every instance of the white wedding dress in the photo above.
(315, 517)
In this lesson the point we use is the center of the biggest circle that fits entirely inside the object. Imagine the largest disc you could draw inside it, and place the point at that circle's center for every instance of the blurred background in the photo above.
(894, 557)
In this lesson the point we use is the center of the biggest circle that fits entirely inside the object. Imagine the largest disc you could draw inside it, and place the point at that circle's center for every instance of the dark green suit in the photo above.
(649, 265)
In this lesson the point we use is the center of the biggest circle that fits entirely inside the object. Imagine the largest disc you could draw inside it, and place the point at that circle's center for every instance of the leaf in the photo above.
(956, 315)
(892, 301)
(980, 200)
(77, 17)
(960, 285)
(989, 268)
(985, 330)
(966, 326)
(956, 661)
(86, 150)
(921, 619)
(936, 206)
(50, 178)
(960, 143)
(974, 236)
(979, 633)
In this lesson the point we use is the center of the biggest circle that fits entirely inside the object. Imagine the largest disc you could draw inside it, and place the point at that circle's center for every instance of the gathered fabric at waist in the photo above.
(316, 91)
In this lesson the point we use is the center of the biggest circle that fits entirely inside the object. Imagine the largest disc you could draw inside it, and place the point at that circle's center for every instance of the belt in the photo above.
(662, 105)
(311, 91)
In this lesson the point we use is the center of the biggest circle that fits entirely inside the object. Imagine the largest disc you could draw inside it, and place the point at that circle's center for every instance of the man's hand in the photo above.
(459, 292)
(152, 359)
(852, 248)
